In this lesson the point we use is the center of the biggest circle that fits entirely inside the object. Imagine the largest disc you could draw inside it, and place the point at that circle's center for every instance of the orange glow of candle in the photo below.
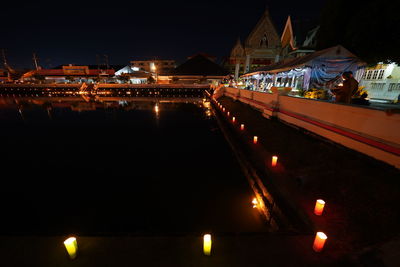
(223, 109)
(319, 241)
(233, 119)
(319, 207)
(228, 113)
(242, 127)
(274, 161)
(255, 139)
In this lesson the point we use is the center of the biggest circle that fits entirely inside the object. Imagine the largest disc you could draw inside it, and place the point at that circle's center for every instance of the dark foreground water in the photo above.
(118, 167)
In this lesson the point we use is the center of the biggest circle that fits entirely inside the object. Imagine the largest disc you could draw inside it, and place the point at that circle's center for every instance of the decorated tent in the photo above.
(321, 70)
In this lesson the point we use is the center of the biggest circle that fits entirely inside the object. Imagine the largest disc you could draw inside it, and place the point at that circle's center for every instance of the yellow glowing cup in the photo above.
(242, 127)
(255, 139)
(233, 119)
(274, 161)
(71, 247)
(319, 207)
(319, 241)
(207, 245)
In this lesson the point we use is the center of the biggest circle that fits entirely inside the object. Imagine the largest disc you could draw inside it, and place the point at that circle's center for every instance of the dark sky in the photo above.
(63, 32)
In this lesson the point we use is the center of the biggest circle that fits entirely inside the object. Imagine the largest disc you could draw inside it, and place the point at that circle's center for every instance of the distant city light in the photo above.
(255, 203)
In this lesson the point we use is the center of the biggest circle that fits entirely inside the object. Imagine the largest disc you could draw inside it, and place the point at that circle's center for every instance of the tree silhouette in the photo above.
(370, 29)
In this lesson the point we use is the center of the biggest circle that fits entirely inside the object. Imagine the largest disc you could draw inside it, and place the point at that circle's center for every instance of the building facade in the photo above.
(155, 66)
(298, 39)
(261, 48)
(382, 81)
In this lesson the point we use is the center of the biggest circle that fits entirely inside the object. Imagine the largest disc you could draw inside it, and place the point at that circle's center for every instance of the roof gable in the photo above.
(264, 35)
(200, 66)
(287, 38)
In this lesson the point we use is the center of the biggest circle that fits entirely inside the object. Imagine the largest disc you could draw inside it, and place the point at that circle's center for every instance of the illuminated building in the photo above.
(261, 48)
(156, 65)
(70, 73)
(382, 81)
(298, 39)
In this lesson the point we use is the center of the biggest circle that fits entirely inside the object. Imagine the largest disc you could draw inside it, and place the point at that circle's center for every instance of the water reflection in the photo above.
(128, 163)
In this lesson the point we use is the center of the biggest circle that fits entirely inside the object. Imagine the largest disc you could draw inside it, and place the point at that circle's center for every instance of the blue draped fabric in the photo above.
(325, 73)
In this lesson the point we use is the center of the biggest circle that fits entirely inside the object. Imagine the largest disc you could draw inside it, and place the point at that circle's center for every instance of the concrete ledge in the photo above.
(369, 131)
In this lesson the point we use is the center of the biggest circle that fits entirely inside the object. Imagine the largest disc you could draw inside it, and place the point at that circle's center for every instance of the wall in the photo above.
(370, 131)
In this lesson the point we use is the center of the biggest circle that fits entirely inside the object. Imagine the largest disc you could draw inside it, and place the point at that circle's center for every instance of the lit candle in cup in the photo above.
(233, 119)
(242, 127)
(319, 241)
(255, 139)
(207, 244)
(71, 246)
(319, 207)
(274, 161)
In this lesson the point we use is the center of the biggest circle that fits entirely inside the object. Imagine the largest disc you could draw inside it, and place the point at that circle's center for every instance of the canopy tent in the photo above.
(320, 69)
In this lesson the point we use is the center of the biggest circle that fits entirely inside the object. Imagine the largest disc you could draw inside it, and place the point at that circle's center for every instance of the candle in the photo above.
(255, 139)
(233, 119)
(71, 246)
(228, 113)
(274, 161)
(319, 207)
(207, 244)
(319, 241)
(223, 109)
(242, 127)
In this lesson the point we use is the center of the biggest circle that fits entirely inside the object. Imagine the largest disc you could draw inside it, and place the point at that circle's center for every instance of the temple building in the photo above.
(298, 38)
(261, 48)
(382, 81)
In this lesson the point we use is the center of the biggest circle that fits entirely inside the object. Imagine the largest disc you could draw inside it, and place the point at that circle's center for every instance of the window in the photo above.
(380, 76)
(375, 75)
(394, 87)
(365, 75)
(369, 73)
(377, 86)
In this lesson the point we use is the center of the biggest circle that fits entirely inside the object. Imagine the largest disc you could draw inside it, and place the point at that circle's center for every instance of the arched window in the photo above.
(264, 41)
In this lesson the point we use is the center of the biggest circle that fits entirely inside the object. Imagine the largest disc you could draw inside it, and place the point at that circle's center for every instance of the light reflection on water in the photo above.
(118, 165)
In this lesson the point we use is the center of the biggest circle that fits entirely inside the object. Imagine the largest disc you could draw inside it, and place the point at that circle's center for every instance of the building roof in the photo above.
(333, 54)
(199, 66)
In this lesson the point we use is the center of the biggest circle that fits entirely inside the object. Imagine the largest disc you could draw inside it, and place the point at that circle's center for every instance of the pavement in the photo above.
(227, 250)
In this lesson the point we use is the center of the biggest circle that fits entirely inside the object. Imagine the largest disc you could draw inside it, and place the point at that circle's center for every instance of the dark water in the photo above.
(118, 167)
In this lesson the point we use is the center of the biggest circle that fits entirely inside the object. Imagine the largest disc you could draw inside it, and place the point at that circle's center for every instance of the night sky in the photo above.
(63, 32)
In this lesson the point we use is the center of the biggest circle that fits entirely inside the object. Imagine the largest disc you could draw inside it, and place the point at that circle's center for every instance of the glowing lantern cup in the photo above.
(228, 113)
(319, 207)
(233, 119)
(242, 127)
(255, 139)
(274, 161)
(71, 246)
(207, 245)
(223, 109)
(319, 241)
